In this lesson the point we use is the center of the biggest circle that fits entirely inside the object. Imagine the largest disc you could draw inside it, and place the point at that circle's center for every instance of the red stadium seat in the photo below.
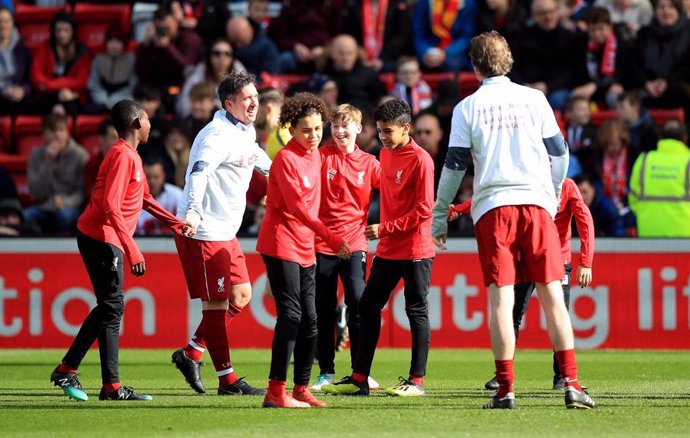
(16, 166)
(388, 80)
(33, 23)
(5, 133)
(599, 117)
(433, 79)
(281, 82)
(661, 116)
(95, 19)
(86, 132)
(468, 84)
(28, 132)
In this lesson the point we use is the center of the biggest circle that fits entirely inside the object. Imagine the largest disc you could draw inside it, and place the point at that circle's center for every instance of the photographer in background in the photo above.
(167, 52)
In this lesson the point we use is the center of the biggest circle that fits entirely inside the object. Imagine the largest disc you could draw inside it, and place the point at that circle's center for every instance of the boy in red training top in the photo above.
(406, 251)
(348, 176)
(286, 244)
(571, 205)
(104, 237)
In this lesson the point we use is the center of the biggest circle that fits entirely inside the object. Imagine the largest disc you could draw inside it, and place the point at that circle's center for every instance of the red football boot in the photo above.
(302, 393)
(284, 400)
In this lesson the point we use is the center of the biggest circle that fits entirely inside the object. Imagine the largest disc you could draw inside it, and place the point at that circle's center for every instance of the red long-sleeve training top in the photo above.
(347, 181)
(120, 193)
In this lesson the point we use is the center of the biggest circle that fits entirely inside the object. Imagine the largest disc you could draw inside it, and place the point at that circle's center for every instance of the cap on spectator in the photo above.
(448, 93)
(316, 82)
(9, 205)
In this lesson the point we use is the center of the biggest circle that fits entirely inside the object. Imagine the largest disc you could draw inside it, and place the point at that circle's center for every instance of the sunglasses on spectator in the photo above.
(423, 131)
(219, 53)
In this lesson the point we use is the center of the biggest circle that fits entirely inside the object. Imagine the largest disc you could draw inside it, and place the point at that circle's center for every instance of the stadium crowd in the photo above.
(613, 71)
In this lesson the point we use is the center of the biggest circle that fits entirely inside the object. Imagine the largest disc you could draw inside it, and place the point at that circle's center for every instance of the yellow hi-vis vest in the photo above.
(660, 191)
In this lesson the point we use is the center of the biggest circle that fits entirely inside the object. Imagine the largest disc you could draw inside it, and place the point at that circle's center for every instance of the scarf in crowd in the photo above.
(615, 176)
(418, 97)
(607, 63)
(443, 15)
(373, 27)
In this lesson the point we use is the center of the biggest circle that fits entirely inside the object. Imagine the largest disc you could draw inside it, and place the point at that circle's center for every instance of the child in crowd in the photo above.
(409, 85)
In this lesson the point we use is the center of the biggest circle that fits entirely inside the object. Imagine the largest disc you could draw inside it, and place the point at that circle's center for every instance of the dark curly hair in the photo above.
(302, 105)
(393, 110)
(233, 83)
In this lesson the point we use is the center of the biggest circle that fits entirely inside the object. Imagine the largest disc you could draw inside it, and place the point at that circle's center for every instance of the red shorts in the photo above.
(518, 243)
(211, 268)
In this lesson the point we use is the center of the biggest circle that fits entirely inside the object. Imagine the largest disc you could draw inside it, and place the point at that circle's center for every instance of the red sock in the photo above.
(110, 387)
(417, 380)
(568, 367)
(63, 368)
(216, 335)
(504, 376)
(276, 387)
(197, 345)
(228, 379)
(359, 378)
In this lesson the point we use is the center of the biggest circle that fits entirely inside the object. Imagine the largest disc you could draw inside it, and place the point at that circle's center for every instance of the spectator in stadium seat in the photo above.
(447, 96)
(108, 136)
(608, 60)
(503, 16)
(56, 178)
(548, 57)
(12, 221)
(176, 155)
(202, 106)
(428, 134)
(643, 131)
(579, 132)
(61, 67)
(607, 220)
(206, 17)
(663, 63)
(659, 193)
(219, 61)
(168, 53)
(270, 135)
(15, 60)
(613, 160)
(441, 32)
(112, 77)
(151, 101)
(7, 187)
(358, 84)
(410, 86)
(166, 194)
(628, 16)
(384, 35)
(257, 11)
(256, 51)
(302, 31)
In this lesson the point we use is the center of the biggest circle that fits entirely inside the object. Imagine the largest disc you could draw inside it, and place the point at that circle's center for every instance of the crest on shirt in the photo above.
(306, 182)
(138, 176)
(331, 174)
(398, 177)
(221, 285)
(360, 178)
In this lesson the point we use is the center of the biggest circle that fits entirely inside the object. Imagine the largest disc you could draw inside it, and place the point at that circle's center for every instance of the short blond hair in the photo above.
(348, 113)
(490, 54)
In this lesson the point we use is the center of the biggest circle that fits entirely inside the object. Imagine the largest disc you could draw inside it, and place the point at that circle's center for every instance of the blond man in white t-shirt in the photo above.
(510, 133)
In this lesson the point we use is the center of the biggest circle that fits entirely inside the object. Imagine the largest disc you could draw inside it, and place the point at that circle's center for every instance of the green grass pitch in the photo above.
(640, 393)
